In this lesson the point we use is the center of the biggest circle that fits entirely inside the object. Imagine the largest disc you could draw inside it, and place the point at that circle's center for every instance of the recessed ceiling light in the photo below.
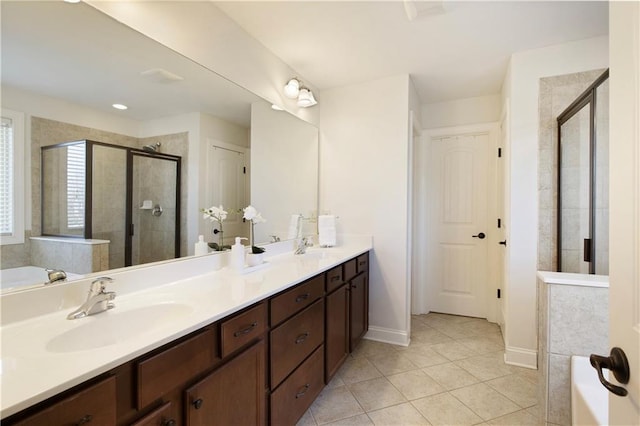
(119, 106)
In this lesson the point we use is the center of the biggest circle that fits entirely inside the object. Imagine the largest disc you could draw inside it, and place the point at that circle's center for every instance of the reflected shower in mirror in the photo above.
(583, 182)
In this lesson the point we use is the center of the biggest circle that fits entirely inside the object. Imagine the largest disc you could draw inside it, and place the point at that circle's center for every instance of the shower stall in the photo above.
(583, 182)
(129, 196)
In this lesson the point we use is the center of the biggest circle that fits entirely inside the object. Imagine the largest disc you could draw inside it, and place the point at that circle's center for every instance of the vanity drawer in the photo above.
(96, 404)
(294, 340)
(363, 262)
(334, 278)
(243, 328)
(350, 270)
(161, 416)
(292, 301)
(175, 366)
(297, 393)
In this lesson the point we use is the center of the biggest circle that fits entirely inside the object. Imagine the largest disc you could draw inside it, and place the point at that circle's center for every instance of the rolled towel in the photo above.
(294, 226)
(327, 230)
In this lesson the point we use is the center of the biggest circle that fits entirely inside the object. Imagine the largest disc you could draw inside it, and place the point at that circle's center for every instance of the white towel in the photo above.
(327, 230)
(294, 227)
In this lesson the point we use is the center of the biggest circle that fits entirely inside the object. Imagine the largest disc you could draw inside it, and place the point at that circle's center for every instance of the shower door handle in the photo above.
(131, 229)
(587, 250)
(618, 364)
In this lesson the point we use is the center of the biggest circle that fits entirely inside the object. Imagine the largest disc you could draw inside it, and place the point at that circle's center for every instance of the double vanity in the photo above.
(184, 345)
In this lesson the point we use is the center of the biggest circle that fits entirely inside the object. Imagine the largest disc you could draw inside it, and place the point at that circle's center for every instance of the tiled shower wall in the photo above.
(555, 95)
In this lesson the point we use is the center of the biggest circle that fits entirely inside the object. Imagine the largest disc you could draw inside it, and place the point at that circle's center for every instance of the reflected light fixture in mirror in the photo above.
(294, 90)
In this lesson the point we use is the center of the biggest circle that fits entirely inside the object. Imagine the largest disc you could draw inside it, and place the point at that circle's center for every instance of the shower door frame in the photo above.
(128, 247)
(588, 97)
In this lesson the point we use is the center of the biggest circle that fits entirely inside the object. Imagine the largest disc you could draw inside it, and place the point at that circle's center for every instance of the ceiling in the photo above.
(451, 49)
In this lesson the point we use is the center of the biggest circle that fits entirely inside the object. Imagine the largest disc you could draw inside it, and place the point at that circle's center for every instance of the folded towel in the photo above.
(327, 230)
(294, 227)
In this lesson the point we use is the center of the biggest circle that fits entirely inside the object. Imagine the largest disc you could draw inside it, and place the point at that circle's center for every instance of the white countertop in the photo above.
(567, 278)
(42, 356)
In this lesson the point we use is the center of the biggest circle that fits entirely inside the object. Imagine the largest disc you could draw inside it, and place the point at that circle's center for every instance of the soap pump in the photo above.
(201, 246)
(237, 254)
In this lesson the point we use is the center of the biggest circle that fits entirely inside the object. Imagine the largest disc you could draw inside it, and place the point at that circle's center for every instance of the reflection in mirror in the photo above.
(64, 65)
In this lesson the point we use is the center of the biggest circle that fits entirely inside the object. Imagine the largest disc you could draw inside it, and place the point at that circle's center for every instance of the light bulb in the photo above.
(292, 88)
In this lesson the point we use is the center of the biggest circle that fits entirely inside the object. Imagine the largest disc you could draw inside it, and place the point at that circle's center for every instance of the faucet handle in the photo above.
(99, 284)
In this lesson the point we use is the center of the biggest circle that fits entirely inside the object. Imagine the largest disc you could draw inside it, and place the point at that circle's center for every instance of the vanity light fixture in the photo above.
(295, 90)
(276, 107)
(120, 106)
(72, 1)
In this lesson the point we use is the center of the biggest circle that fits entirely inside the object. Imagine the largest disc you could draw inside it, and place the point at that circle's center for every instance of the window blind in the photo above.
(76, 166)
(6, 177)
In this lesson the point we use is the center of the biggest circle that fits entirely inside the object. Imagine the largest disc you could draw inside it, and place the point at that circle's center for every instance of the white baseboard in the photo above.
(386, 335)
(521, 357)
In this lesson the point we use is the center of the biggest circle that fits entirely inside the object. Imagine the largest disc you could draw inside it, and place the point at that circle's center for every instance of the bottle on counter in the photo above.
(237, 254)
(201, 246)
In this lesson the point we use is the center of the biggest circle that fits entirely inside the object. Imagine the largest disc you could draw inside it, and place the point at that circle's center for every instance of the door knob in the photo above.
(618, 364)
(481, 235)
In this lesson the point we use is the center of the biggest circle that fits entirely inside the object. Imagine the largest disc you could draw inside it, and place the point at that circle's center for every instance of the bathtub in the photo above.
(589, 399)
(27, 276)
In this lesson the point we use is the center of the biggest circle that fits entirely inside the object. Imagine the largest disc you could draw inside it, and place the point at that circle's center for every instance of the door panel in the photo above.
(457, 276)
(624, 188)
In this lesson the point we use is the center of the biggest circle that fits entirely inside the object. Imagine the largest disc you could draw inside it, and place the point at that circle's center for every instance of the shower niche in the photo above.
(583, 182)
(129, 196)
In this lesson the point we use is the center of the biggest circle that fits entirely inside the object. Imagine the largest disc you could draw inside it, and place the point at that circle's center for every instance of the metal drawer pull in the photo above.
(302, 297)
(245, 330)
(169, 422)
(362, 263)
(301, 338)
(197, 403)
(304, 390)
(335, 278)
(86, 419)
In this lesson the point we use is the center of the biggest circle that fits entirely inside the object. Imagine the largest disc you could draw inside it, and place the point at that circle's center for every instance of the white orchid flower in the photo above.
(250, 212)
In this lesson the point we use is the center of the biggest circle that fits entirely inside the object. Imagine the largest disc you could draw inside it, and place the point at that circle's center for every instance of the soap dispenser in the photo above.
(201, 246)
(237, 254)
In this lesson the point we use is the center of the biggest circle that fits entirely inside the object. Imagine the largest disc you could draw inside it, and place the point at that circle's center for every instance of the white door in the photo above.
(458, 243)
(226, 186)
(501, 221)
(624, 202)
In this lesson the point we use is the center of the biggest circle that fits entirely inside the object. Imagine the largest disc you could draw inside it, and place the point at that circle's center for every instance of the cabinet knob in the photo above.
(86, 419)
(197, 403)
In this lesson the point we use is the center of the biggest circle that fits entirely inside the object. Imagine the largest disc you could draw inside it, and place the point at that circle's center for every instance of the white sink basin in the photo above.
(114, 326)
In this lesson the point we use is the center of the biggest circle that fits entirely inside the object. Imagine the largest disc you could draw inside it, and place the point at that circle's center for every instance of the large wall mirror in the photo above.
(65, 65)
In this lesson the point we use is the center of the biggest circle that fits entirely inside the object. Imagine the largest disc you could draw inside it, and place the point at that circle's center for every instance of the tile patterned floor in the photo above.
(452, 374)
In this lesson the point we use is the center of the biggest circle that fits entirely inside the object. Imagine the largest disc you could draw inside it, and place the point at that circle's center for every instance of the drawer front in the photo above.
(96, 404)
(243, 328)
(350, 270)
(161, 416)
(174, 367)
(363, 262)
(294, 300)
(297, 393)
(334, 278)
(294, 340)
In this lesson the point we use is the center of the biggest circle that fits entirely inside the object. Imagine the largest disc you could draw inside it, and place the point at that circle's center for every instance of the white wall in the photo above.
(520, 91)
(459, 112)
(203, 33)
(364, 155)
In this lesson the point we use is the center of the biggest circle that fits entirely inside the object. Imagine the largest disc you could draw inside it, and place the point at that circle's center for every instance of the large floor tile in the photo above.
(423, 356)
(375, 394)
(307, 419)
(444, 409)
(403, 414)
(485, 367)
(359, 420)
(485, 401)
(357, 370)
(483, 344)
(415, 384)
(450, 376)
(393, 363)
(428, 336)
(453, 350)
(369, 348)
(518, 418)
(517, 388)
(335, 404)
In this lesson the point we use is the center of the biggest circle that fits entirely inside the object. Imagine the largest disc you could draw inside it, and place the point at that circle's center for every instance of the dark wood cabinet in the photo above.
(336, 331)
(281, 350)
(234, 394)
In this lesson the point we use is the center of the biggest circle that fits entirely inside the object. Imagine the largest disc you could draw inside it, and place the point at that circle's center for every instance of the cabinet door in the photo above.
(358, 309)
(234, 394)
(337, 331)
(161, 416)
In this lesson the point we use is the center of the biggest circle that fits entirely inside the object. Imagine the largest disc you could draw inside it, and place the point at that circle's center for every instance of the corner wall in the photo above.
(520, 93)
(364, 179)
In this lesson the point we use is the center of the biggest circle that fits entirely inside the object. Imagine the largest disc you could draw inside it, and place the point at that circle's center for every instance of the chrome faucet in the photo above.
(303, 243)
(98, 300)
(55, 275)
